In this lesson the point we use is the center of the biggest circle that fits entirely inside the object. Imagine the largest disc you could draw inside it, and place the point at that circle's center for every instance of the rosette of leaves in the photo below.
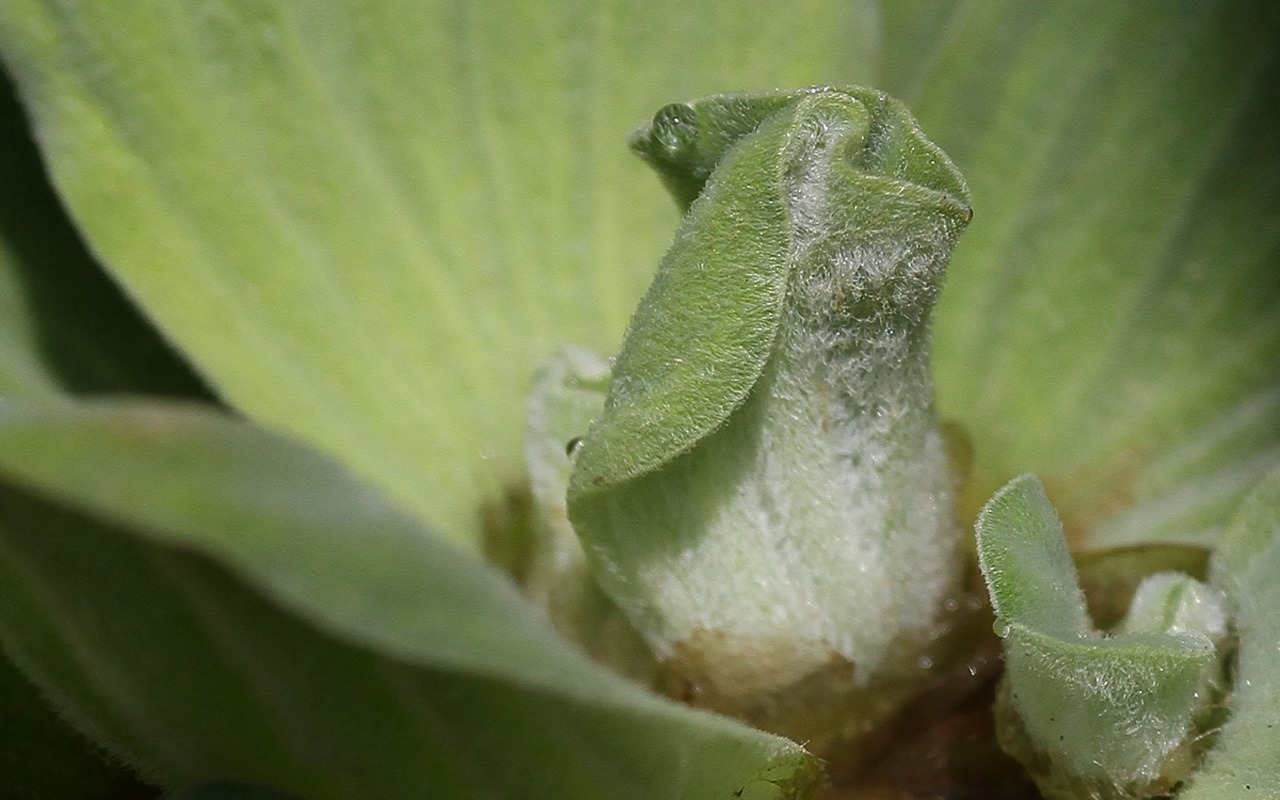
(362, 226)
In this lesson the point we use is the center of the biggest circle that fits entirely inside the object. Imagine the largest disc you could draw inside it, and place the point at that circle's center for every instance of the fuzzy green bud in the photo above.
(766, 493)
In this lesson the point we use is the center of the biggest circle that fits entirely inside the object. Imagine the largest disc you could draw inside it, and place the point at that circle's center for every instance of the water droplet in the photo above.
(925, 662)
(572, 447)
(675, 129)
(1000, 627)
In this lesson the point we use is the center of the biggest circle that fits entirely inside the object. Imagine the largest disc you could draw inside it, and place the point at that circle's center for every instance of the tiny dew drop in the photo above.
(1001, 627)
(572, 447)
(675, 128)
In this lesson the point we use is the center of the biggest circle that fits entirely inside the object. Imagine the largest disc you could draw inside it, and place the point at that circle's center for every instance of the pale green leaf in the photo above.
(368, 222)
(1024, 559)
(1088, 715)
(567, 395)
(1110, 577)
(1171, 602)
(1108, 716)
(469, 693)
(63, 325)
(1245, 763)
(1112, 317)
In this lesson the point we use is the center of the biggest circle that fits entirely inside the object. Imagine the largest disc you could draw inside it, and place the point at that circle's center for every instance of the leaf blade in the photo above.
(122, 626)
(332, 210)
(1110, 317)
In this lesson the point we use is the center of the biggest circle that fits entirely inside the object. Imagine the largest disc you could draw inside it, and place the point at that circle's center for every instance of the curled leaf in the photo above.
(1245, 761)
(766, 493)
(1092, 715)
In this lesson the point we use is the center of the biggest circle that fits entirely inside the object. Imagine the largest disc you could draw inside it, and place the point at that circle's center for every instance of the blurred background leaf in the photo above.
(1111, 319)
(368, 222)
(227, 790)
(427, 675)
(42, 758)
(64, 326)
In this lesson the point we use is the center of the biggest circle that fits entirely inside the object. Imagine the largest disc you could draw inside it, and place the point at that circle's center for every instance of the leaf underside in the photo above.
(435, 681)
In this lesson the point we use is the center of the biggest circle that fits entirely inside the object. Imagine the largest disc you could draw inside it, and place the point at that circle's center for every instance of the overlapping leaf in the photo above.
(437, 680)
(1102, 715)
(63, 325)
(368, 222)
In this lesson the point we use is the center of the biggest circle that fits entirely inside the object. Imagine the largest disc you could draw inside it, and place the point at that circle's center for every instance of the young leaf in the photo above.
(685, 142)
(1110, 577)
(767, 475)
(1090, 715)
(567, 395)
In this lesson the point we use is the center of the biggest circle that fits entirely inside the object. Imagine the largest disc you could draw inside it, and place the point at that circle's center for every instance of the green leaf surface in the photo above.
(1110, 577)
(367, 223)
(1024, 559)
(63, 325)
(1244, 762)
(441, 681)
(1088, 715)
(567, 395)
(1112, 316)
(722, 285)
(43, 758)
(226, 790)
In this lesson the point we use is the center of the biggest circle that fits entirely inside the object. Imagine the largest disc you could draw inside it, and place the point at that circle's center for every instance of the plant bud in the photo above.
(766, 494)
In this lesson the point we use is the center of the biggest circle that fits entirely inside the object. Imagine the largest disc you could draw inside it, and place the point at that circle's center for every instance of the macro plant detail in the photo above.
(751, 502)
(339, 497)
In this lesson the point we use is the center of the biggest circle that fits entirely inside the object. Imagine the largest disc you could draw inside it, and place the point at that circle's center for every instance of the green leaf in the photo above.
(1025, 562)
(568, 393)
(43, 758)
(63, 325)
(1243, 763)
(722, 285)
(428, 676)
(1111, 320)
(369, 234)
(1110, 577)
(1088, 715)
(225, 790)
